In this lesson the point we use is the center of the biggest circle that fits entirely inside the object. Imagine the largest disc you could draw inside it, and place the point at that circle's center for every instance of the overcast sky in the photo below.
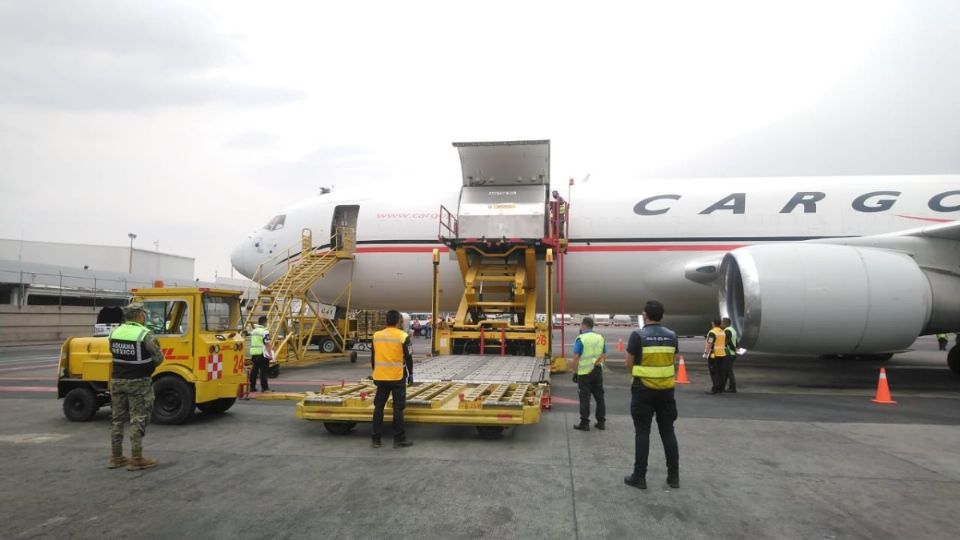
(191, 123)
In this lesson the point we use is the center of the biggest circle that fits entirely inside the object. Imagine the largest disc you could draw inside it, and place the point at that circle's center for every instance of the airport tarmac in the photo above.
(799, 452)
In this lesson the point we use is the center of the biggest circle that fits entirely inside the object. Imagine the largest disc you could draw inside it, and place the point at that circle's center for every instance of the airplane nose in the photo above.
(238, 258)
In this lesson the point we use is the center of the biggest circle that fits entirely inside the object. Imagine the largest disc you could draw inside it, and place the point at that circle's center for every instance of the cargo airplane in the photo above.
(807, 265)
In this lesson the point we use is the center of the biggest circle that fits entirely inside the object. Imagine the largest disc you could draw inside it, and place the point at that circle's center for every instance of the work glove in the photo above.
(410, 380)
(575, 377)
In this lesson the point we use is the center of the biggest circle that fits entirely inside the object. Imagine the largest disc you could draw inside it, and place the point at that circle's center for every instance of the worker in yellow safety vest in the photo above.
(650, 359)
(733, 339)
(942, 341)
(589, 354)
(392, 365)
(260, 355)
(715, 353)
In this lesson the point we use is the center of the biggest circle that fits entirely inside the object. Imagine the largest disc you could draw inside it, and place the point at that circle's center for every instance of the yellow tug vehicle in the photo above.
(203, 366)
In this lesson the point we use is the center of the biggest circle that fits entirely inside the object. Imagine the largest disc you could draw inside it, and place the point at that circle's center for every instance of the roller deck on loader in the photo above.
(490, 367)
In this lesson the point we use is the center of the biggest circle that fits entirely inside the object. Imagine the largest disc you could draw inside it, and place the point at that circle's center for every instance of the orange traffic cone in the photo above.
(620, 345)
(682, 373)
(883, 390)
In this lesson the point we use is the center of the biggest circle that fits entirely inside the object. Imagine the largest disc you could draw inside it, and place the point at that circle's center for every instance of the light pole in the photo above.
(131, 236)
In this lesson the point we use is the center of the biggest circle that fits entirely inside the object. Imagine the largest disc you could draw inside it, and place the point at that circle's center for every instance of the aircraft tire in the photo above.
(953, 360)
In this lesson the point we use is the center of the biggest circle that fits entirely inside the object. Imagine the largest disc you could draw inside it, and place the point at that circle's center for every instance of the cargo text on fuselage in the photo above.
(803, 201)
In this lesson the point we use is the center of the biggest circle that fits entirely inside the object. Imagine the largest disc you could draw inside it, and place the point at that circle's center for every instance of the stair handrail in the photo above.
(449, 222)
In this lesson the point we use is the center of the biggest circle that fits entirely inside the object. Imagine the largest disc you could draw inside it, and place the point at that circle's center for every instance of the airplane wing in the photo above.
(933, 247)
(943, 231)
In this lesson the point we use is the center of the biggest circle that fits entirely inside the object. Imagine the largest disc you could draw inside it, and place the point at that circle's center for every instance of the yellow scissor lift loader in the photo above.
(296, 319)
(490, 367)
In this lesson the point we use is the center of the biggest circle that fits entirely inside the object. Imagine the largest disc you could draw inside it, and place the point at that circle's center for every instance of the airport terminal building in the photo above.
(50, 291)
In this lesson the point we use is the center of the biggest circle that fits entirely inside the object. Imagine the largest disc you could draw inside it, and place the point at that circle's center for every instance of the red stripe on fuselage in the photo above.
(402, 249)
(573, 248)
(930, 219)
(658, 247)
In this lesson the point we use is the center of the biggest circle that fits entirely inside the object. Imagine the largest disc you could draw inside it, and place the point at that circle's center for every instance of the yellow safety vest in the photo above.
(256, 340)
(656, 367)
(126, 344)
(732, 343)
(592, 349)
(388, 354)
(719, 342)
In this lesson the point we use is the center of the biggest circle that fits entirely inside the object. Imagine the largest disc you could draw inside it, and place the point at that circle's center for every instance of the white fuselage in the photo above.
(629, 243)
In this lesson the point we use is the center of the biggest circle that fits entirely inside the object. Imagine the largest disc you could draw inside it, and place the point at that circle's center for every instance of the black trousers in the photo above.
(943, 343)
(399, 391)
(731, 379)
(721, 368)
(714, 364)
(588, 385)
(261, 366)
(644, 405)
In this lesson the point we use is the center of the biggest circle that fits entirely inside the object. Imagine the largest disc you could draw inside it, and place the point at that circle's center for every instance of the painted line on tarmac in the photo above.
(564, 401)
(31, 356)
(274, 382)
(26, 368)
(39, 389)
(18, 362)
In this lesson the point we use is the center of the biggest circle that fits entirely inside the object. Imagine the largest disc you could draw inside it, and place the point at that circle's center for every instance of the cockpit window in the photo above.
(276, 223)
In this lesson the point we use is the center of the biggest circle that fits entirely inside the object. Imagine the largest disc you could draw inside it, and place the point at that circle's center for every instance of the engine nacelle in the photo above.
(824, 299)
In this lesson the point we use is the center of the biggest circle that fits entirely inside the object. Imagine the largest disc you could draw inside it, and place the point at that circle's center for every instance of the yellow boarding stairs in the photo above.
(294, 314)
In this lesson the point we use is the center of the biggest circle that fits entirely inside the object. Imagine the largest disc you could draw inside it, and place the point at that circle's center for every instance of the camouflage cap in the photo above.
(132, 309)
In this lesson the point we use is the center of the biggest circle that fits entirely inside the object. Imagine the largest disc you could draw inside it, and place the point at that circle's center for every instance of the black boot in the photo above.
(582, 426)
(635, 480)
(673, 480)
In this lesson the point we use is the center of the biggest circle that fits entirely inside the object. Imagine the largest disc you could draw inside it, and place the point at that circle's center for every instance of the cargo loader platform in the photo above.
(490, 364)
(488, 392)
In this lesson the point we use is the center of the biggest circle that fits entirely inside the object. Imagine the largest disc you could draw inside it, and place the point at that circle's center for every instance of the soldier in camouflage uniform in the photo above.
(136, 354)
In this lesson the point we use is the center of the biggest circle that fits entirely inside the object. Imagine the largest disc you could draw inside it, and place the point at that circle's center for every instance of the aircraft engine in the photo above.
(824, 299)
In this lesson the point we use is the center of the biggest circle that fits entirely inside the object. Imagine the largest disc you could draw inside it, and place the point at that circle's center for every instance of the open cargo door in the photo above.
(505, 189)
